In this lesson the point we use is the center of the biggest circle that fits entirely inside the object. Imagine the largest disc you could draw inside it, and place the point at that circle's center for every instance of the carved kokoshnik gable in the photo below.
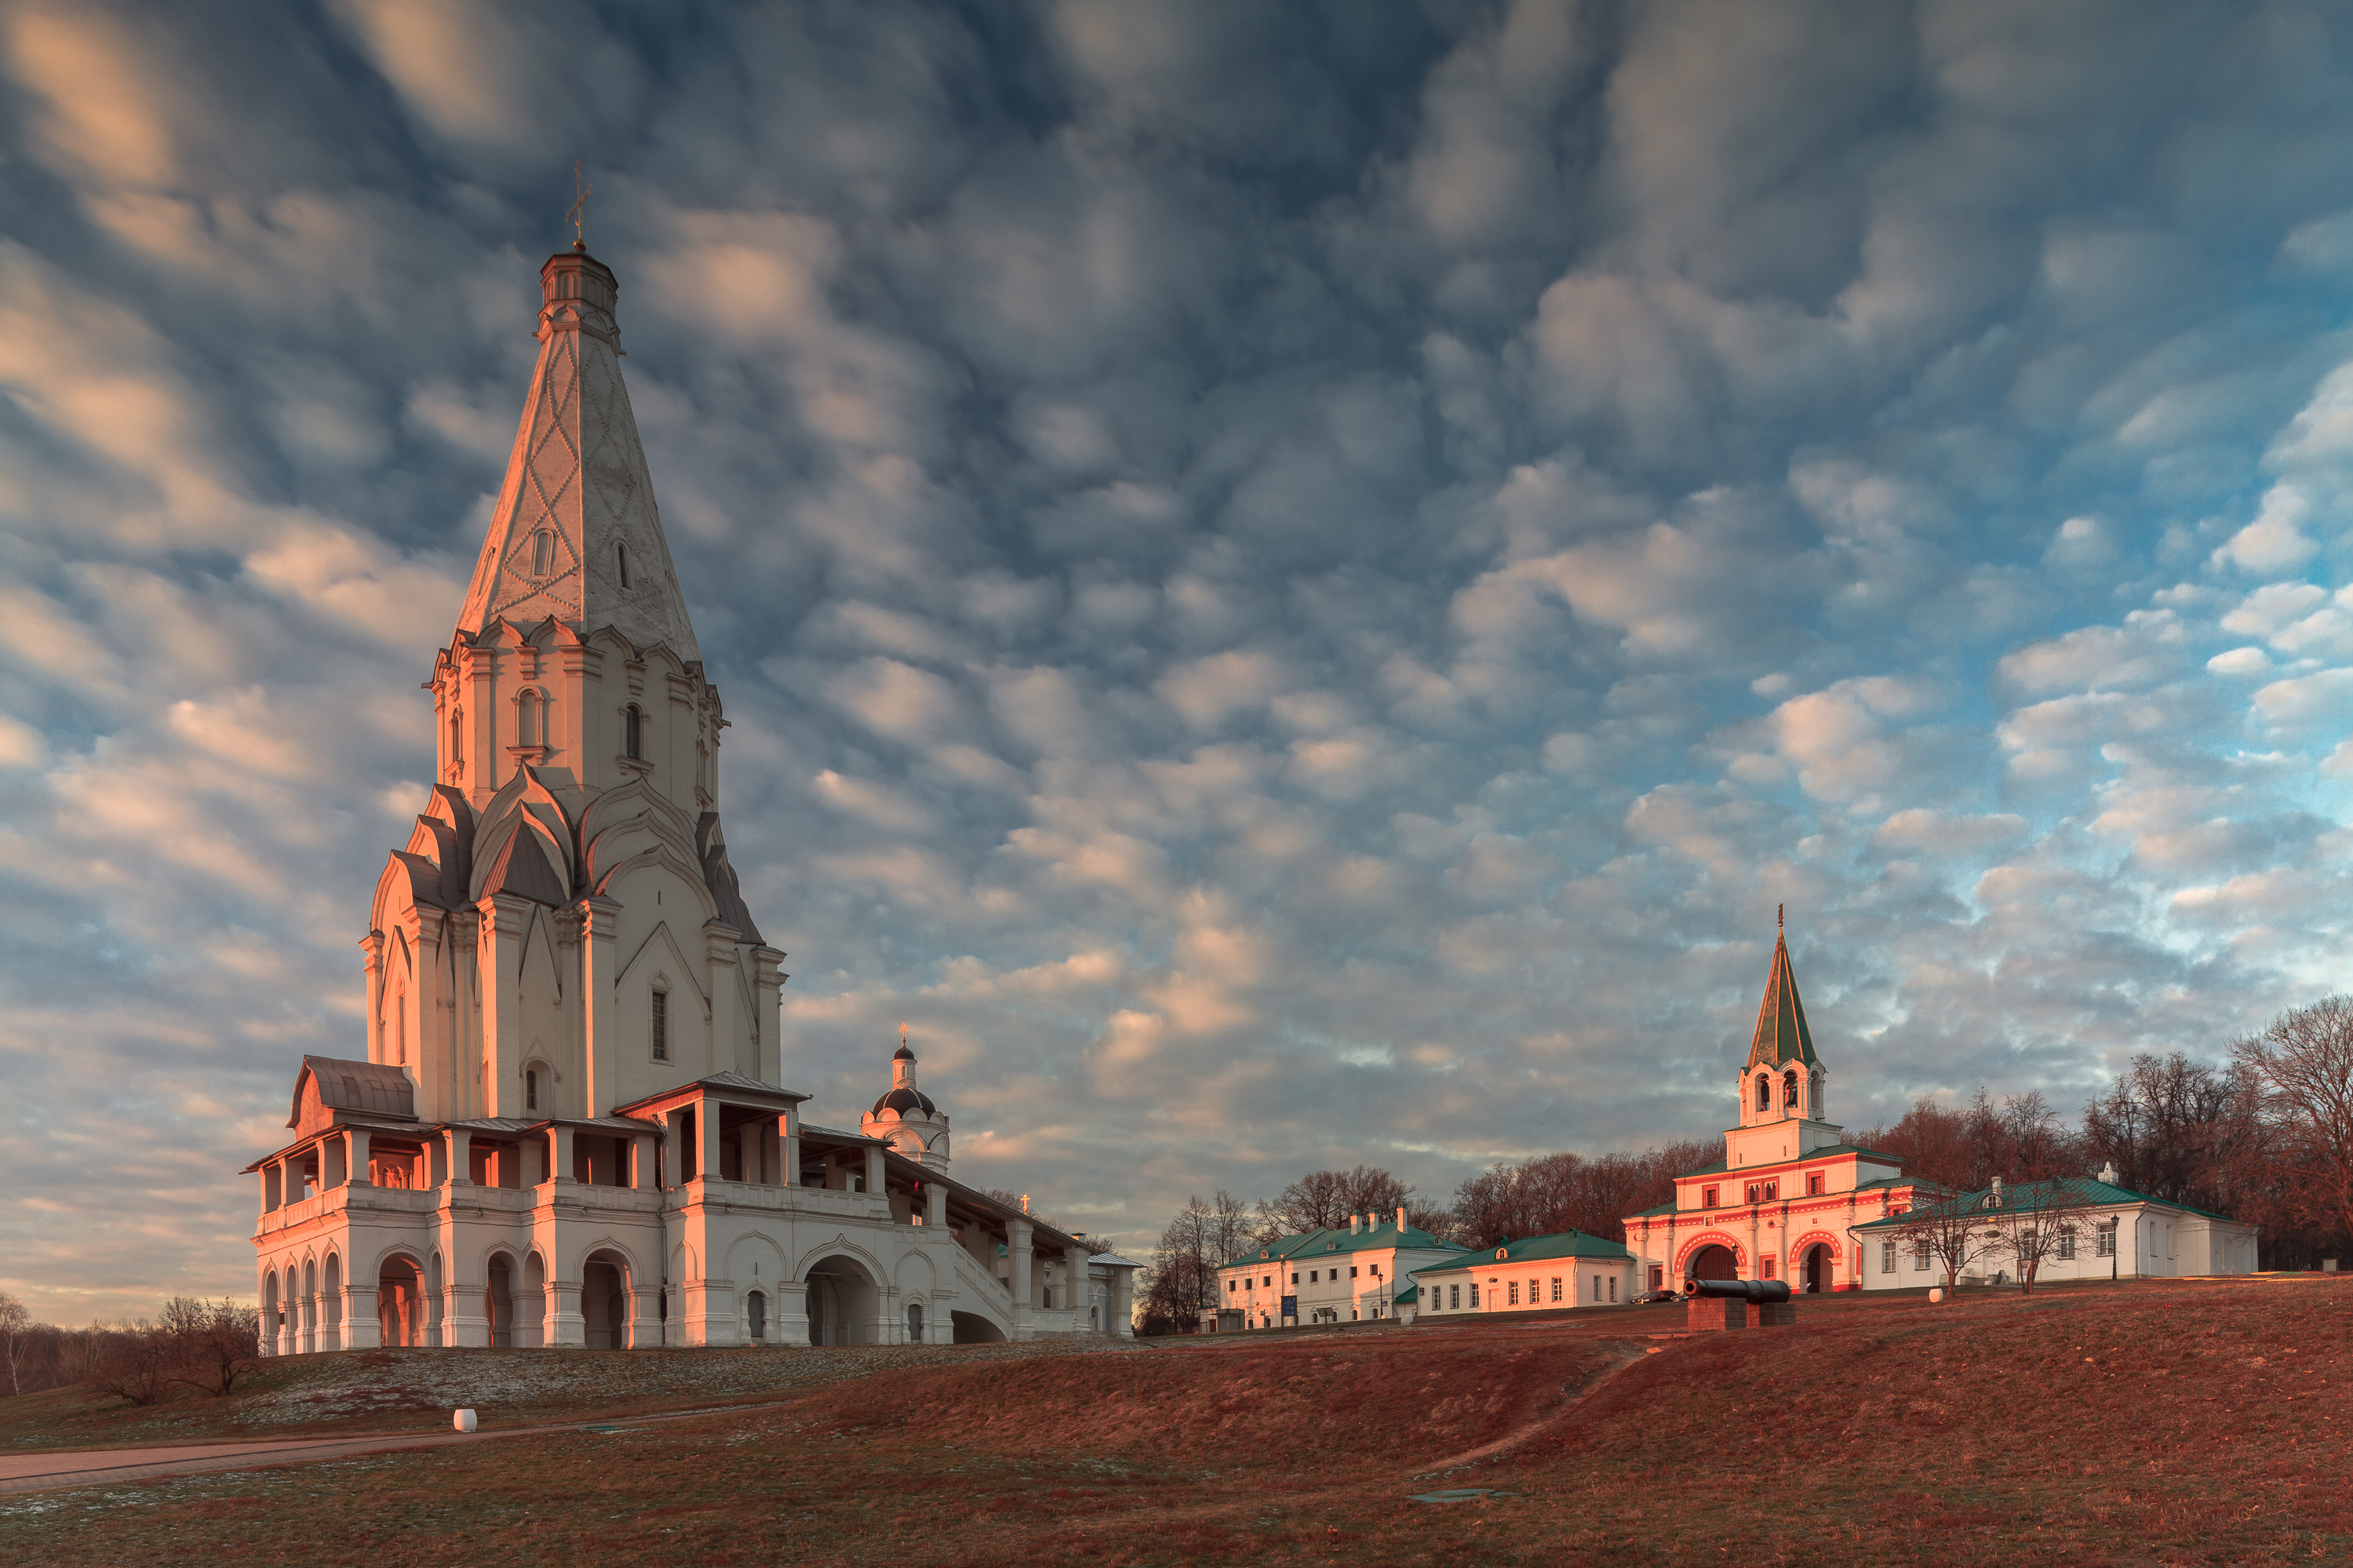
(563, 932)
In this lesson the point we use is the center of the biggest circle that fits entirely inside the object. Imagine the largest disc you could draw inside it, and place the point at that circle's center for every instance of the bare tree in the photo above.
(1556, 1192)
(2033, 1222)
(1183, 1279)
(1323, 1200)
(2303, 1062)
(1947, 1226)
(133, 1360)
(211, 1342)
(16, 1332)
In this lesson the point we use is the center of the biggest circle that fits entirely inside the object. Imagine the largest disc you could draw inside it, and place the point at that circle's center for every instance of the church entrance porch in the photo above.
(400, 1304)
(843, 1304)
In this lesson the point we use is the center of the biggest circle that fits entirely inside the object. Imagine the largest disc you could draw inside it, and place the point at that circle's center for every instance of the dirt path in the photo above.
(1538, 1427)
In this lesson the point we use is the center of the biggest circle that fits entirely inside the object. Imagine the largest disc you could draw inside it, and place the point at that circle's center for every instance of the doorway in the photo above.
(1816, 1270)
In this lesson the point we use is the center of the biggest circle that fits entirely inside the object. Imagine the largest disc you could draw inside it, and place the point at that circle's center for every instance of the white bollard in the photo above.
(463, 1420)
(1936, 1294)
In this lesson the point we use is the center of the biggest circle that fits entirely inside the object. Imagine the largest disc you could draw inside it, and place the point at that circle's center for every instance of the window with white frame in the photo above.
(2106, 1245)
(1555, 1286)
(1887, 1258)
(2067, 1246)
(1515, 1293)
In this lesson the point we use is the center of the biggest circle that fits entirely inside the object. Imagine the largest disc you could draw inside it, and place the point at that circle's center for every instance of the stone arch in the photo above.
(843, 1295)
(972, 1328)
(1813, 1262)
(502, 1275)
(331, 1302)
(271, 1329)
(1690, 1256)
(608, 1279)
(310, 1337)
(401, 1298)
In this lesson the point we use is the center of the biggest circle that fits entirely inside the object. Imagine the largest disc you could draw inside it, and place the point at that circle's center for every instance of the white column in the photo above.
(874, 1172)
(788, 1152)
(641, 1166)
(1017, 1249)
(565, 1325)
(462, 1157)
(355, 1160)
(936, 1205)
(560, 1136)
(673, 1150)
(707, 1120)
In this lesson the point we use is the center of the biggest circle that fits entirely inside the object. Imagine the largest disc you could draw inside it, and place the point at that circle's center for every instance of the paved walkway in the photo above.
(94, 1467)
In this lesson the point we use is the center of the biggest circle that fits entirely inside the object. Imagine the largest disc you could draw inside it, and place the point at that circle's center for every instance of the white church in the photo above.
(571, 1127)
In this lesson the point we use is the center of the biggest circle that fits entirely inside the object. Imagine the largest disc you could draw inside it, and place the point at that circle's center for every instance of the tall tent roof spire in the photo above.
(1781, 1034)
(575, 533)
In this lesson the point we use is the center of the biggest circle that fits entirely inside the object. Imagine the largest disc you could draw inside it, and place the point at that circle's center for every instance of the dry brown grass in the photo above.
(2206, 1426)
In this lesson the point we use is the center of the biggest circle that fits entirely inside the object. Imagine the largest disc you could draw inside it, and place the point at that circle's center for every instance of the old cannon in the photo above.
(1757, 1292)
(1712, 1304)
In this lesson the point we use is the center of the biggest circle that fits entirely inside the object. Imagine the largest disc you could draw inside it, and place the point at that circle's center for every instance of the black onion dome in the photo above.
(902, 1054)
(903, 1101)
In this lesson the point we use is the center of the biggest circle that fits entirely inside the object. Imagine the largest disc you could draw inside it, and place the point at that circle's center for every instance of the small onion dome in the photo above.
(903, 1100)
(902, 1054)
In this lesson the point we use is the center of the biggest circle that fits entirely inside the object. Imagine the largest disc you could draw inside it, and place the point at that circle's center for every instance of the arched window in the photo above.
(756, 1306)
(914, 1322)
(542, 552)
(531, 724)
(662, 1025)
(531, 1088)
(1764, 1092)
(400, 1028)
(621, 563)
(633, 731)
(1789, 1087)
(456, 741)
(1814, 1105)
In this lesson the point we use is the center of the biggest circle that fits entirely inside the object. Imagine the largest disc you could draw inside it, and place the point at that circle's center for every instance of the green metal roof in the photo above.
(2031, 1195)
(1318, 1243)
(1781, 1036)
(1646, 1214)
(1531, 1250)
(1407, 1297)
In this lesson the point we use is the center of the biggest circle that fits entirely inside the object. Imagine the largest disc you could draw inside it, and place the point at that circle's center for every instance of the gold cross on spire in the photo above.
(1778, 911)
(578, 212)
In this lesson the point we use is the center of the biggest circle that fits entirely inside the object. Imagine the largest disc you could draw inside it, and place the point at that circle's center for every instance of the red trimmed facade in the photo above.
(1780, 1204)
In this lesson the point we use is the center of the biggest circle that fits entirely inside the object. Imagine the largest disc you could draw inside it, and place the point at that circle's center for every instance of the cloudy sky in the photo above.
(1294, 583)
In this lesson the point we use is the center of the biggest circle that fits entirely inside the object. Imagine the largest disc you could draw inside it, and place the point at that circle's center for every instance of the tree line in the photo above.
(191, 1346)
(2266, 1138)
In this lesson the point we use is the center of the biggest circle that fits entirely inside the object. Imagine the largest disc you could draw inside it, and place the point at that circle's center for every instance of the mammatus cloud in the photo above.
(1293, 587)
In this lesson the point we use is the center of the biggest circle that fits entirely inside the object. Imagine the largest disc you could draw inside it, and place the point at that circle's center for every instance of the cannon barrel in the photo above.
(1758, 1291)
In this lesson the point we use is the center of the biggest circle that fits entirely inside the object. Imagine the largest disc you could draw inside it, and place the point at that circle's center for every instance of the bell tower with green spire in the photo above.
(1782, 1083)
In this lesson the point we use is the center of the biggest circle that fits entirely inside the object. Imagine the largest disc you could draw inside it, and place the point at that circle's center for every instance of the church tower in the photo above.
(563, 934)
(1782, 1083)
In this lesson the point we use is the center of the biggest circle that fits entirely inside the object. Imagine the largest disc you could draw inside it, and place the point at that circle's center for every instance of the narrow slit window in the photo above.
(633, 731)
(542, 553)
(662, 1025)
(531, 1090)
(529, 728)
(621, 563)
